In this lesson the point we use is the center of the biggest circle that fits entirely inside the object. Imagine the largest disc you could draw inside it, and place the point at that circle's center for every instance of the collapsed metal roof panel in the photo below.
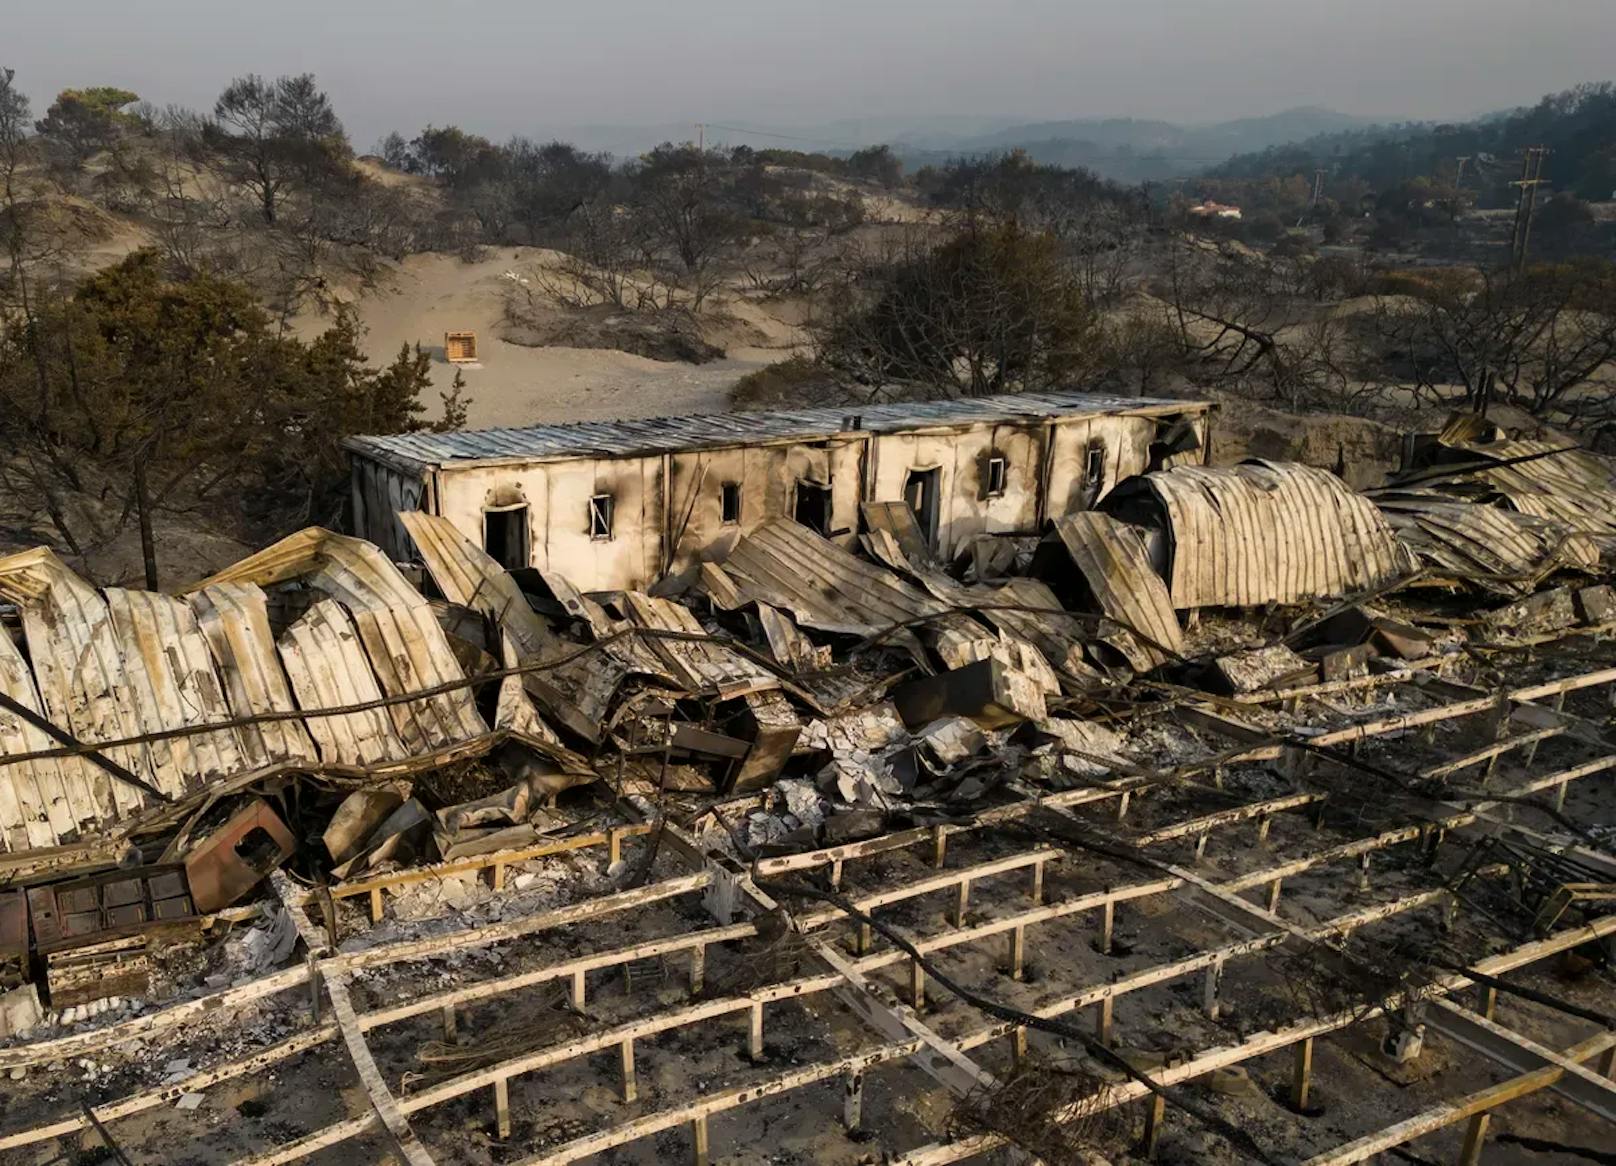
(1266, 532)
(235, 619)
(172, 676)
(79, 672)
(1112, 560)
(576, 691)
(655, 435)
(1498, 550)
(43, 800)
(785, 564)
(403, 644)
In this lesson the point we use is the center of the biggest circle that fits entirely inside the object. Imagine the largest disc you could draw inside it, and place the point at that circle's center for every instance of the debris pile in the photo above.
(312, 708)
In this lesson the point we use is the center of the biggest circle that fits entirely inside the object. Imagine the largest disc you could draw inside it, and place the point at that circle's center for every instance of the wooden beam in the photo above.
(1584, 1087)
(1451, 1112)
(335, 983)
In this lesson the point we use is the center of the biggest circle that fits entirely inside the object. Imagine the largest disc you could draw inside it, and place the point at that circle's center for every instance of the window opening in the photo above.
(730, 503)
(600, 517)
(998, 471)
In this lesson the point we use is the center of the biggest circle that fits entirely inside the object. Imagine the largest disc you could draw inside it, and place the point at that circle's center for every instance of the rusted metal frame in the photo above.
(335, 982)
(1512, 1050)
(229, 999)
(1113, 990)
(1353, 684)
(1472, 1105)
(624, 1035)
(1263, 1043)
(568, 969)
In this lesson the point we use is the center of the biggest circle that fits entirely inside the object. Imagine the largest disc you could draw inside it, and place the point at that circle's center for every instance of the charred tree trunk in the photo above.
(148, 542)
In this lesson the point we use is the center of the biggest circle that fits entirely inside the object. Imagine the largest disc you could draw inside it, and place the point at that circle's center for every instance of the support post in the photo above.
(1475, 1135)
(502, 1107)
(1038, 884)
(939, 846)
(862, 940)
(754, 1039)
(1273, 895)
(1155, 1113)
(1102, 1020)
(1018, 951)
(631, 1088)
(498, 876)
(1018, 1044)
(1211, 988)
(1302, 1075)
(1263, 823)
(836, 875)
(1200, 845)
(377, 905)
(917, 984)
(314, 984)
(698, 1141)
(448, 1022)
(698, 968)
(1489, 1001)
(579, 990)
(962, 902)
(1122, 804)
(1108, 919)
(614, 846)
(1363, 871)
(853, 1101)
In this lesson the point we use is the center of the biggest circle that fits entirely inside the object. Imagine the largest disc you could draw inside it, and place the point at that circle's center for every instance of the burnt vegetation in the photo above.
(1369, 272)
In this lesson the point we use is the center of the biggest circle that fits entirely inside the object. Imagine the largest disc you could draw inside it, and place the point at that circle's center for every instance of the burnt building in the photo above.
(620, 504)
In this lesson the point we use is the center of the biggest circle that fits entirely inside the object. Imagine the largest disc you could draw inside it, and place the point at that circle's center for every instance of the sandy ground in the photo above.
(427, 295)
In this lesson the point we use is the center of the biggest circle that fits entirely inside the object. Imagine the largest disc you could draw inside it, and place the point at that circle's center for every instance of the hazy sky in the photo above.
(536, 66)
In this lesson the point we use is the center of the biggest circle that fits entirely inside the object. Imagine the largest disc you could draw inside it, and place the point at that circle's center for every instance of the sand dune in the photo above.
(426, 295)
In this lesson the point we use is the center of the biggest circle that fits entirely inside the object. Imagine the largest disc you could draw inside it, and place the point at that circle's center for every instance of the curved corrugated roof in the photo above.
(1267, 532)
(708, 431)
(405, 645)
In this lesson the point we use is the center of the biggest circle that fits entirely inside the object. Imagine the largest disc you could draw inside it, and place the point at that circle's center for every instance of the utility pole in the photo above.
(701, 137)
(1531, 178)
(1313, 203)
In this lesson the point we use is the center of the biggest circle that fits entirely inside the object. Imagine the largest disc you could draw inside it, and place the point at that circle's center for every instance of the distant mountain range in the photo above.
(1577, 127)
(1125, 149)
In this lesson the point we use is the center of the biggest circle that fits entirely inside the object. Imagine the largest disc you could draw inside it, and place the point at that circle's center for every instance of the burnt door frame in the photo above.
(922, 490)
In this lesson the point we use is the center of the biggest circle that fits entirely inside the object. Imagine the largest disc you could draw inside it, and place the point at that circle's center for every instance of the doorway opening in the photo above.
(921, 491)
(813, 506)
(505, 536)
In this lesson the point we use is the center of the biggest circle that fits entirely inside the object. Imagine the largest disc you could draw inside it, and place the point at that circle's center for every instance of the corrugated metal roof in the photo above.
(669, 434)
(576, 692)
(1561, 507)
(1111, 558)
(1498, 550)
(135, 664)
(402, 639)
(823, 586)
(1267, 532)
